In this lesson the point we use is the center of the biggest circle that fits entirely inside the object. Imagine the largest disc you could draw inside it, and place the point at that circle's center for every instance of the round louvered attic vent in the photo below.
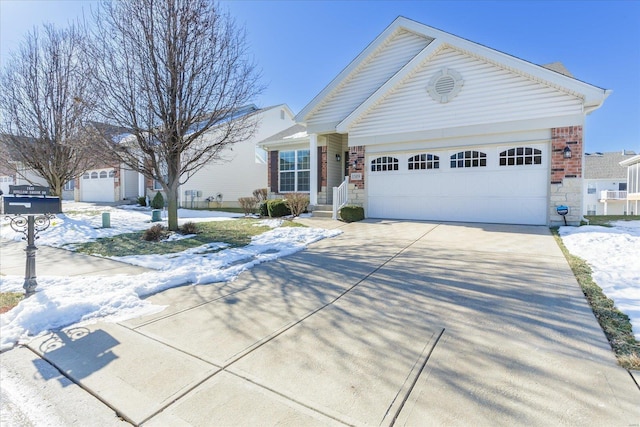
(445, 85)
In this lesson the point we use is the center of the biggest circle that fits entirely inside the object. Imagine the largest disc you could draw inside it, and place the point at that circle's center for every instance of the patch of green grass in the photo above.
(232, 210)
(614, 323)
(235, 233)
(606, 220)
(8, 300)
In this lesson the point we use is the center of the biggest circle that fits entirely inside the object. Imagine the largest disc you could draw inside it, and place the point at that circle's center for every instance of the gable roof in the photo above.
(606, 165)
(435, 40)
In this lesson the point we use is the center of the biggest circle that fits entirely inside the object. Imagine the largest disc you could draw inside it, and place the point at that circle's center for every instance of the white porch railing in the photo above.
(613, 195)
(340, 197)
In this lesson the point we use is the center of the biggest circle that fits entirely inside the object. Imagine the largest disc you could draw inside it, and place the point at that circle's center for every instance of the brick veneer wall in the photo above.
(356, 154)
(323, 167)
(566, 174)
(561, 168)
(357, 193)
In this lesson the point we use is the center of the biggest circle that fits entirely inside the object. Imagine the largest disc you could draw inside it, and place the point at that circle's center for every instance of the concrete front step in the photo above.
(322, 211)
(322, 214)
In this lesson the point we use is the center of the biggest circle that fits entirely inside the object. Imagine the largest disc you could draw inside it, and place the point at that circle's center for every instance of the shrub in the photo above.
(264, 209)
(158, 201)
(297, 203)
(154, 234)
(352, 213)
(142, 201)
(260, 194)
(189, 228)
(248, 204)
(277, 208)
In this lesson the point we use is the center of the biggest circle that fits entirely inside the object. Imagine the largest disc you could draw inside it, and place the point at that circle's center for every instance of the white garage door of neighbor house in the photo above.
(97, 186)
(505, 184)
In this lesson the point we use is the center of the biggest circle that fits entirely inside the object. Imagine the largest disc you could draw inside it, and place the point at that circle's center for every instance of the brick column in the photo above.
(357, 165)
(566, 174)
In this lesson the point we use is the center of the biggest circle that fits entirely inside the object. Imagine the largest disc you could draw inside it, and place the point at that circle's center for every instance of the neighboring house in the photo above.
(6, 179)
(429, 126)
(633, 184)
(605, 183)
(241, 169)
(110, 181)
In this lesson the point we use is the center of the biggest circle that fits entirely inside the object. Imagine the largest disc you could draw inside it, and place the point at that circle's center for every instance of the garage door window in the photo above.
(384, 164)
(521, 156)
(295, 170)
(469, 159)
(424, 161)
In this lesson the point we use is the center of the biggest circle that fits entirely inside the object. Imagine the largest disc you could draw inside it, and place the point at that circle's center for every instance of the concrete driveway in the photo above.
(390, 323)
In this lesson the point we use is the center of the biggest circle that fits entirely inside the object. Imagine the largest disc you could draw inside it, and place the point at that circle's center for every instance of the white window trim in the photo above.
(295, 171)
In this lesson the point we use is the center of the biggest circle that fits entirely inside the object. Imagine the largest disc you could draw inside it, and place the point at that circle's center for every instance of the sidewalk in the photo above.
(390, 323)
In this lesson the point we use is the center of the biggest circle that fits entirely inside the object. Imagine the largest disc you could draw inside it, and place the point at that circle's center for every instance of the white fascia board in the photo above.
(301, 117)
(630, 161)
(284, 142)
(471, 131)
(429, 50)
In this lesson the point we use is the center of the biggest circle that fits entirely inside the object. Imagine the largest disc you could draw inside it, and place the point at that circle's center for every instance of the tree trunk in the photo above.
(172, 209)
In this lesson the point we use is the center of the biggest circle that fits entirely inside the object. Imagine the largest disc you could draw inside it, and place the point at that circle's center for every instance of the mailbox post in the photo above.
(31, 212)
(563, 210)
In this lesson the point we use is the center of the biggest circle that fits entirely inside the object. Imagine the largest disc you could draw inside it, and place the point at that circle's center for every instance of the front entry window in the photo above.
(295, 170)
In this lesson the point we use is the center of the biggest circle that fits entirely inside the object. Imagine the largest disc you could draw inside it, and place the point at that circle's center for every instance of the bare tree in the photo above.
(45, 103)
(176, 73)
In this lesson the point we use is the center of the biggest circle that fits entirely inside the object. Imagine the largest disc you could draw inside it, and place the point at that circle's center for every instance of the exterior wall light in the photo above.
(355, 164)
(566, 153)
(338, 158)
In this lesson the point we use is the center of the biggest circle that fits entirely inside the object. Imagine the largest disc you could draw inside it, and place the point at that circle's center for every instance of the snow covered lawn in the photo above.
(61, 301)
(614, 256)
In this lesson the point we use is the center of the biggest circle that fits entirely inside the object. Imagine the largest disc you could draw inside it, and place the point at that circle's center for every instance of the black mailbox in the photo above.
(16, 205)
(562, 210)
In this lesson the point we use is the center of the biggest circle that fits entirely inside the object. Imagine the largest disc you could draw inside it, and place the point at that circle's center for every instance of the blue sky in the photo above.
(302, 45)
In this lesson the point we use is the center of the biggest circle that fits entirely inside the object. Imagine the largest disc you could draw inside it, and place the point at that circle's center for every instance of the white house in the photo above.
(633, 184)
(243, 167)
(605, 183)
(429, 126)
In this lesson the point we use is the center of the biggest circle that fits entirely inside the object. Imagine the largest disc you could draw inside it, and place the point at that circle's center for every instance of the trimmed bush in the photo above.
(351, 213)
(248, 204)
(189, 228)
(277, 208)
(158, 201)
(142, 201)
(297, 203)
(260, 194)
(155, 233)
(264, 209)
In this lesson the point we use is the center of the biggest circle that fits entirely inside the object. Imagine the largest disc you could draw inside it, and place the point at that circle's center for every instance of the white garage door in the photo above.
(97, 186)
(506, 184)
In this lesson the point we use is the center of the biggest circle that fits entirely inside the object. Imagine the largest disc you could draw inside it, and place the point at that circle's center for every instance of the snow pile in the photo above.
(62, 301)
(84, 223)
(614, 256)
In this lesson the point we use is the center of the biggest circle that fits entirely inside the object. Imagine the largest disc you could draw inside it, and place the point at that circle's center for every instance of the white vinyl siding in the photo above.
(239, 173)
(368, 77)
(489, 95)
